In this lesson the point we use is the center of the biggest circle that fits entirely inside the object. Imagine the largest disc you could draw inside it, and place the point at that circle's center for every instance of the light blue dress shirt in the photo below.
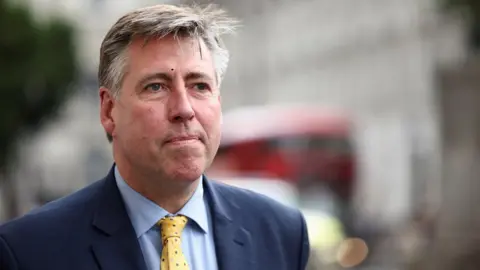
(197, 237)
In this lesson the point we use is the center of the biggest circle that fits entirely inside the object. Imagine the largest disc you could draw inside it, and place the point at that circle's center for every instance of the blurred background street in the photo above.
(365, 114)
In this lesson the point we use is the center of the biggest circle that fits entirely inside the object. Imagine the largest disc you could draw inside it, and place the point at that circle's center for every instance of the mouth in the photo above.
(182, 139)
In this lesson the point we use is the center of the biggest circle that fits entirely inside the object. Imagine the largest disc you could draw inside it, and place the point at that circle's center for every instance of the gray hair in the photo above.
(207, 23)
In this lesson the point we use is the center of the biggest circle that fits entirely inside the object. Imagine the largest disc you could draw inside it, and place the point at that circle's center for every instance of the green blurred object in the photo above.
(37, 69)
(325, 233)
(471, 9)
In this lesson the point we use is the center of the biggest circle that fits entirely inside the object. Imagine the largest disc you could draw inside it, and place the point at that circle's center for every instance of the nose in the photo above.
(180, 108)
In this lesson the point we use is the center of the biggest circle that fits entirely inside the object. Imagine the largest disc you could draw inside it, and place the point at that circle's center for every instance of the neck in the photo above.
(172, 199)
(170, 194)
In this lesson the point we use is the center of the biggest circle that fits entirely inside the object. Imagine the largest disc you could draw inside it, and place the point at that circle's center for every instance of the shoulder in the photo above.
(253, 204)
(39, 236)
(54, 217)
(281, 226)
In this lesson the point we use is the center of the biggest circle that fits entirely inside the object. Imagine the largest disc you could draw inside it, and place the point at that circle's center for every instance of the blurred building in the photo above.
(458, 223)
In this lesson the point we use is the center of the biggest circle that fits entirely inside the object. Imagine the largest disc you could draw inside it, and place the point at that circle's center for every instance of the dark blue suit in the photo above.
(90, 230)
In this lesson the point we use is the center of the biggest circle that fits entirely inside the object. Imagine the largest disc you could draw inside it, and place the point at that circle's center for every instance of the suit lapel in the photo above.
(233, 242)
(115, 244)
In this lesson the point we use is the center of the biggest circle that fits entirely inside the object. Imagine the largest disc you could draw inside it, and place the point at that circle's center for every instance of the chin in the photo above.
(183, 166)
(186, 172)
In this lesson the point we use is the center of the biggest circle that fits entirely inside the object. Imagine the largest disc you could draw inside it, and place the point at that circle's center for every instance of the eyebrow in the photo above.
(168, 78)
(197, 75)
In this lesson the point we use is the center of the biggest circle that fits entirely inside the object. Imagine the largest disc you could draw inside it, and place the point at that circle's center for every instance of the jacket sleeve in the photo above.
(7, 260)
(304, 245)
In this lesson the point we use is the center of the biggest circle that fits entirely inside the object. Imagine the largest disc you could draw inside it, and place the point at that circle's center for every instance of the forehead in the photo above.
(183, 54)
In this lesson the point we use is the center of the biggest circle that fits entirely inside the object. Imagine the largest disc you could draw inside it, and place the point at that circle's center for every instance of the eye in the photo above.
(155, 87)
(201, 87)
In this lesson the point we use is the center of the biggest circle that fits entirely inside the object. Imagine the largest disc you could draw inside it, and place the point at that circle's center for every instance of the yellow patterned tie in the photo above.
(172, 255)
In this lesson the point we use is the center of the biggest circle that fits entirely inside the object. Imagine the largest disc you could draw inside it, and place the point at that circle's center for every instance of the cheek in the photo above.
(209, 116)
(147, 119)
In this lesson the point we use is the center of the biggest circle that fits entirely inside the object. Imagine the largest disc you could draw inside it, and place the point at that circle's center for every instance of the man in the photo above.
(160, 72)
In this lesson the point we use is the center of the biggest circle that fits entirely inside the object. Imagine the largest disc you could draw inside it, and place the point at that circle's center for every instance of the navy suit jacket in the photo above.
(90, 230)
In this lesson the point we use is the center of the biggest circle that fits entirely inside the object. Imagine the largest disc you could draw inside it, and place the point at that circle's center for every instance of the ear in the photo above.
(107, 104)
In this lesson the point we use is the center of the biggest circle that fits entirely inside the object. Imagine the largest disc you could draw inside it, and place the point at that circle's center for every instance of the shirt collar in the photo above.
(144, 213)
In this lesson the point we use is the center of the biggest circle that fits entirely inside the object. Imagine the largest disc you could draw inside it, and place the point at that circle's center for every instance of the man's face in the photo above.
(166, 120)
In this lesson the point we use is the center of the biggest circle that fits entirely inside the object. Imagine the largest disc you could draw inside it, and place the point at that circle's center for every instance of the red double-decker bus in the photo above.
(309, 147)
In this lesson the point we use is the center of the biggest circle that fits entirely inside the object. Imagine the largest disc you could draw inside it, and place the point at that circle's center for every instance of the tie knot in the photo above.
(172, 226)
